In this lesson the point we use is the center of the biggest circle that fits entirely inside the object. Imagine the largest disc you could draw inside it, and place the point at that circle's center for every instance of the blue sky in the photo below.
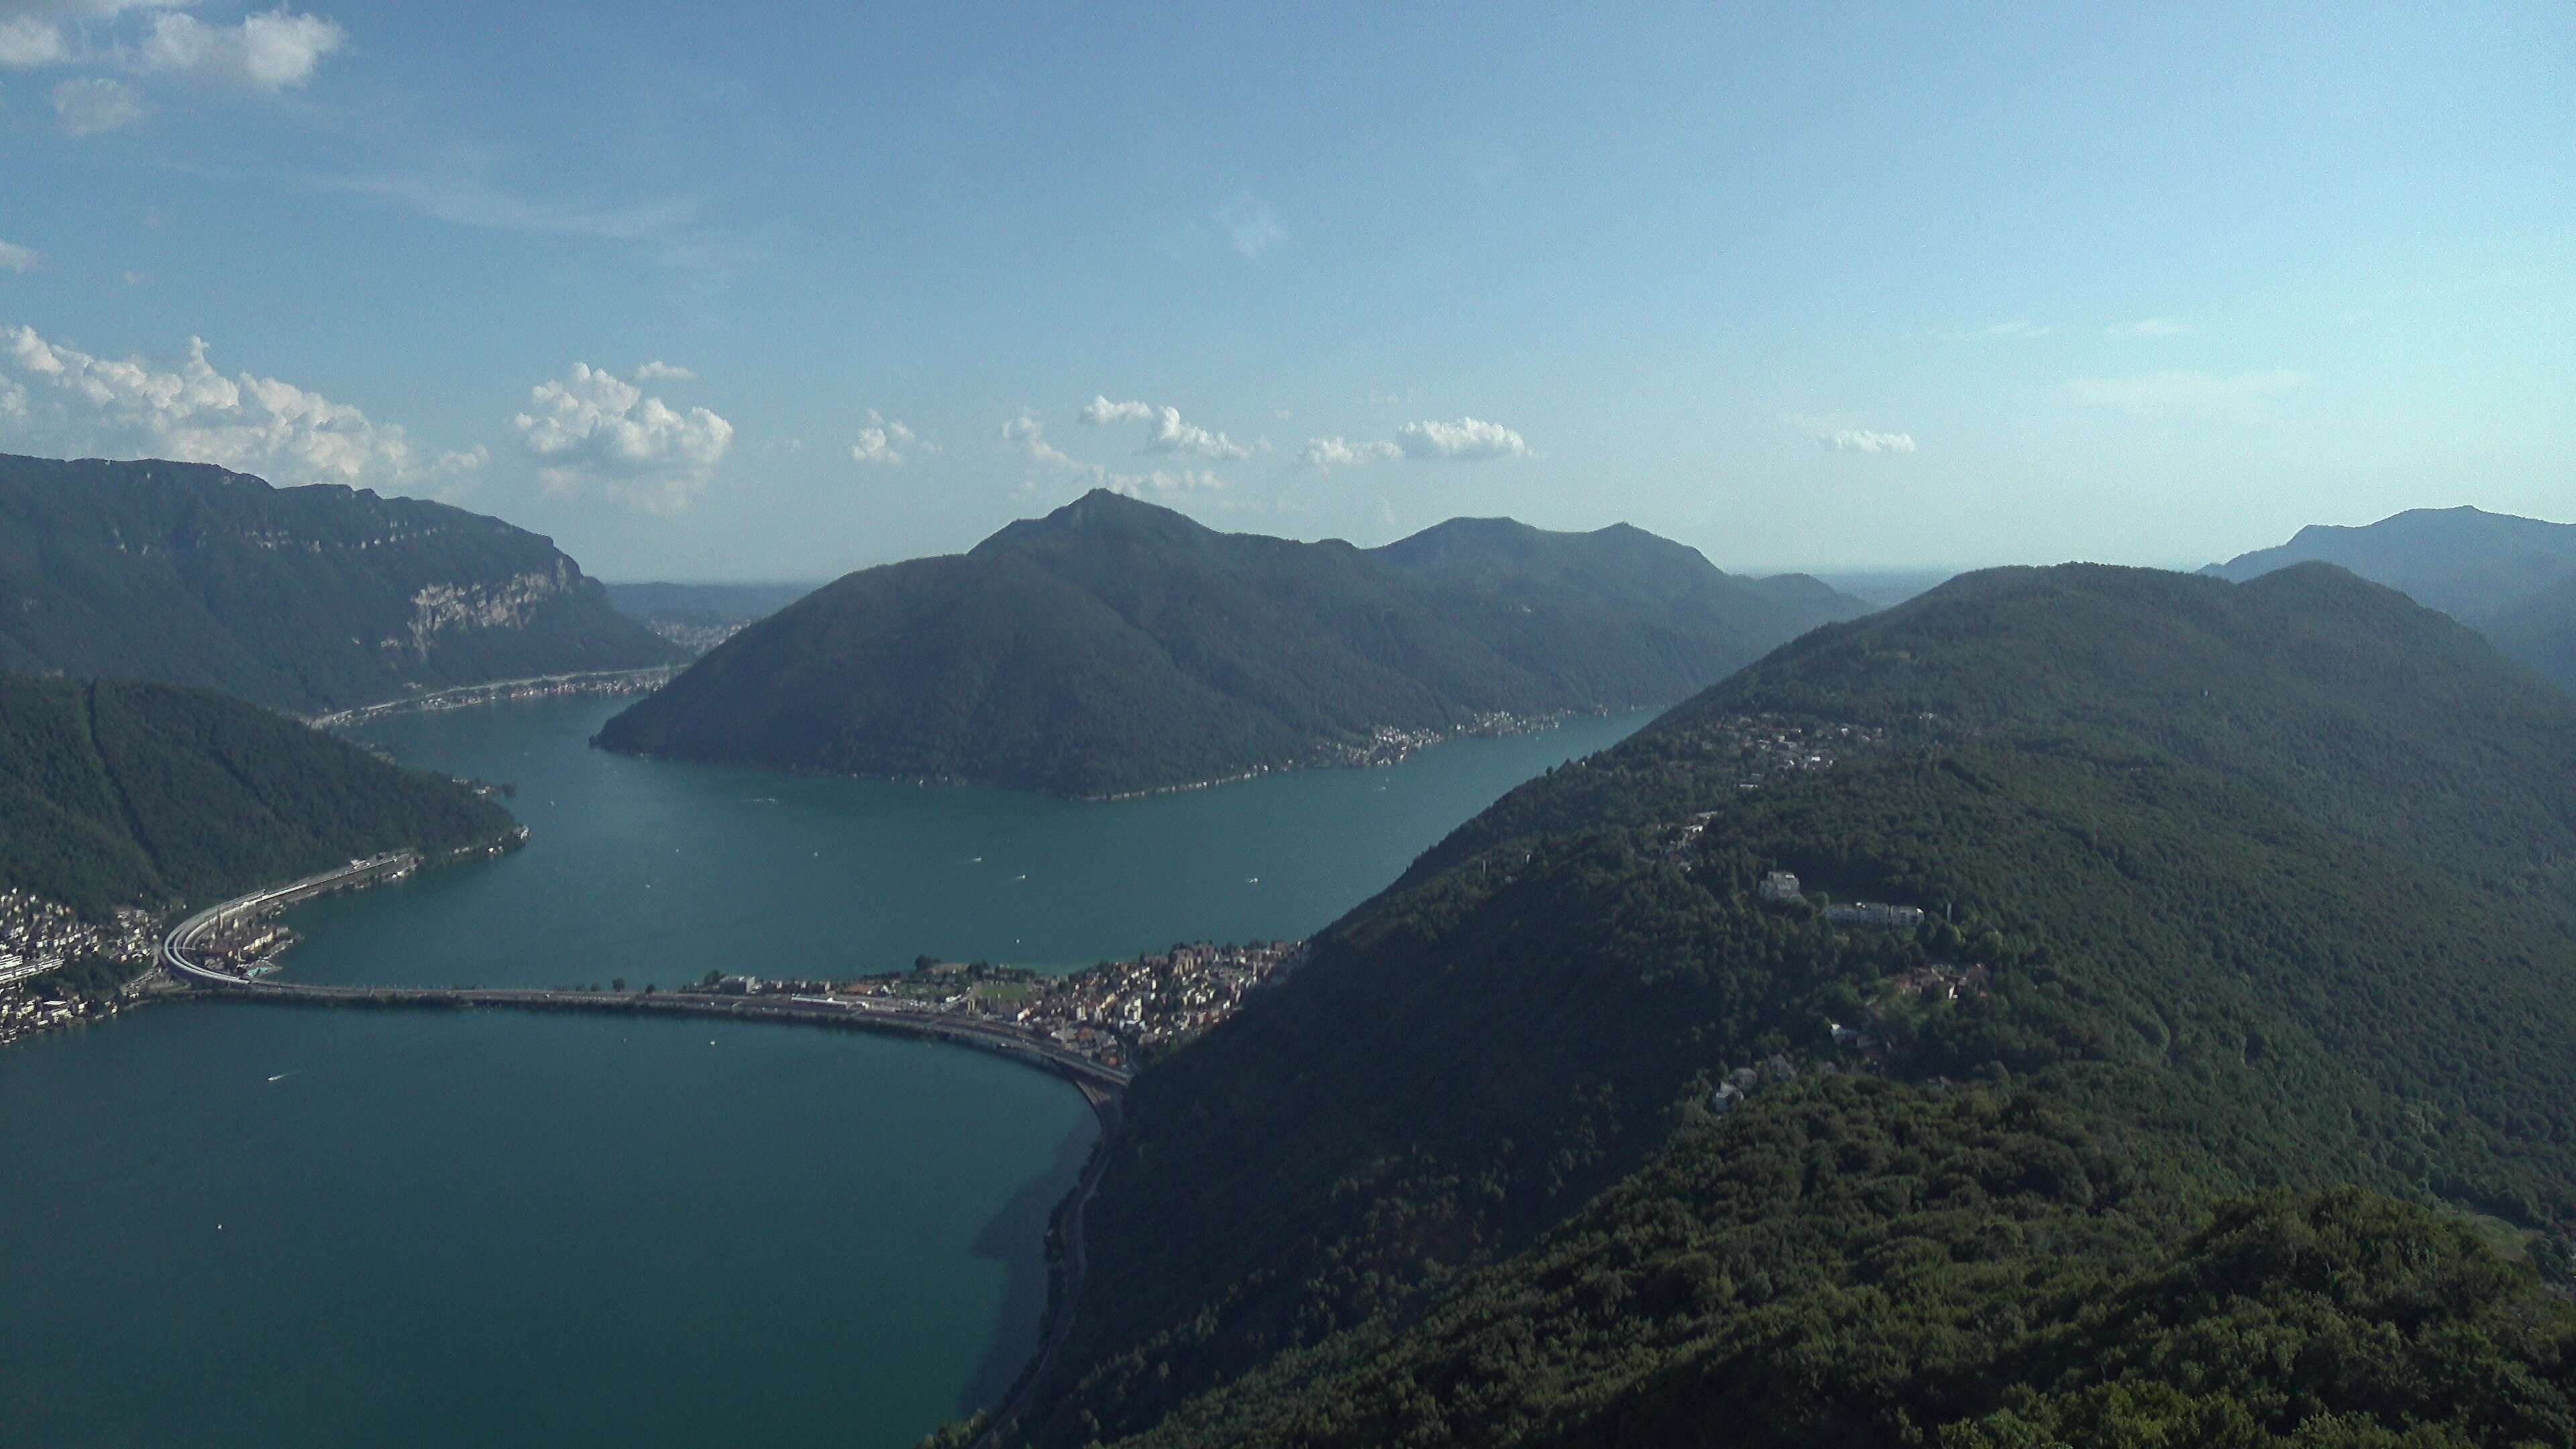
(1802, 285)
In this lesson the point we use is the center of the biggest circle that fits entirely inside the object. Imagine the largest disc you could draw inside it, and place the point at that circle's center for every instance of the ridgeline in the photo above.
(306, 600)
(2512, 579)
(1114, 646)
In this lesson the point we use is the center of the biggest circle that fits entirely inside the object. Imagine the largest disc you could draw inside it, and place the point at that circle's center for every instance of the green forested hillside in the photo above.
(2241, 889)
(1851, 1263)
(301, 599)
(142, 794)
(1117, 646)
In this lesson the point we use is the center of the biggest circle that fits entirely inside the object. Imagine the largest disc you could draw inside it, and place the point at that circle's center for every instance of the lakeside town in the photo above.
(39, 939)
(552, 686)
(1121, 1014)
(57, 970)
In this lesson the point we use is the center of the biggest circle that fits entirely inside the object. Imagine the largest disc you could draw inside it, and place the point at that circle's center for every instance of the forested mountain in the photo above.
(119, 793)
(302, 599)
(2211, 1103)
(1113, 646)
(2513, 579)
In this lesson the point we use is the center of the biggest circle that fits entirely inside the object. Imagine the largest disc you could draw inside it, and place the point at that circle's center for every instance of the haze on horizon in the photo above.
(783, 295)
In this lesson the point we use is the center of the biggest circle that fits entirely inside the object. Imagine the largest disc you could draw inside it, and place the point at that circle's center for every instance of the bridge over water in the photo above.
(181, 953)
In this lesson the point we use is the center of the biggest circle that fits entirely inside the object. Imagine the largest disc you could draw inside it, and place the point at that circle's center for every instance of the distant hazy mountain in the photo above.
(1113, 645)
(698, 617)
(2246, 906)
(2508, 577)
(302, 599)
(118, 793)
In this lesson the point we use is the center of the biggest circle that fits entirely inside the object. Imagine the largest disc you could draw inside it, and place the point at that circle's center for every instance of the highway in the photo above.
(183, 938)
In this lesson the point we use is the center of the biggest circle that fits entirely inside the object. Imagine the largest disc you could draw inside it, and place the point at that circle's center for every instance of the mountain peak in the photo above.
(1102, 513)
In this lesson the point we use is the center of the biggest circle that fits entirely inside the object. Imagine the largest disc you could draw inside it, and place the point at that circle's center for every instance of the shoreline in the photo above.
(1539, 725)
(501, 691)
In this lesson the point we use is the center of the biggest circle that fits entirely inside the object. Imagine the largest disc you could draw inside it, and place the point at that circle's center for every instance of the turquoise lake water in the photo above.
(229, 1224)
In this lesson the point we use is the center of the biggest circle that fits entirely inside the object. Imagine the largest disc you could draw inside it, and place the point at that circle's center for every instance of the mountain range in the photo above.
(2513, 579)
(305, 600)
(1115, 646)
(2218, 1095)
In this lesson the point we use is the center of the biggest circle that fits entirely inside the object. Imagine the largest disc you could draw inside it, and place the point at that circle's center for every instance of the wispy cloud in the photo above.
(2019, 328)
(52, 32)
(1467, 440)
(671, 228)
(2154, 327)
(1251, 225)
(468, 200)
(90, 105)
(265, 51)
(15, 258)
(2151, 393)
(1049, 463)
(1865, 440)
(268, 50)
(659, 371)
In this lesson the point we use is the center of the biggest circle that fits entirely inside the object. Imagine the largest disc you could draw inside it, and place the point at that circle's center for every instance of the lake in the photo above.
(230, 1224)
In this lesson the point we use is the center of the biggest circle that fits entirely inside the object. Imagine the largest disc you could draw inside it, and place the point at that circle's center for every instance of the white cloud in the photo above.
(1251, 224)
(270, 51)
(1100, 410)
(1048, 461)
(1170, 434)
(1466, 440)
(92, 104)
(1326, 454)
(659, 371)
(2155, 327)
(77, 403)
(15, 258)
(887, 441)
(594, 427)
(2183, 392)
(1863, 440)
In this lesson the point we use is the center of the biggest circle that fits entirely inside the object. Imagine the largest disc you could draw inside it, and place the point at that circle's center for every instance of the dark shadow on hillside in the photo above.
(1015, 1237)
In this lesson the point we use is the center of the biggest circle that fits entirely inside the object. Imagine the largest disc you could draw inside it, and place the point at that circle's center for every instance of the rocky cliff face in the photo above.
(446, 609)
(303, 599)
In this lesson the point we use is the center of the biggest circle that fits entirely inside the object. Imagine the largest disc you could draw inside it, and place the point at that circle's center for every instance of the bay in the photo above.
(229, 1224)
